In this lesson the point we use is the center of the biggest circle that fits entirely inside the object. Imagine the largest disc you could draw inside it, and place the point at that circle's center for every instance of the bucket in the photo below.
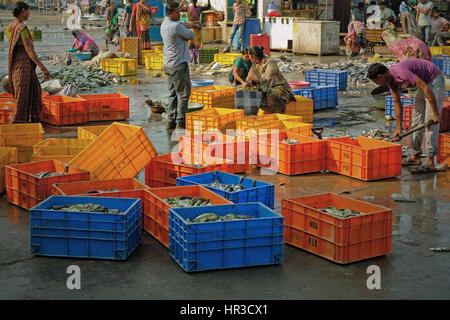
(197, 83)
(298, 84)
(252, 26)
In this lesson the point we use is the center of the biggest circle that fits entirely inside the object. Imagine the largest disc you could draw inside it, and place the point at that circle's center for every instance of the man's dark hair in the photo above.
(360, 4)
(171, 7)
(375, 69)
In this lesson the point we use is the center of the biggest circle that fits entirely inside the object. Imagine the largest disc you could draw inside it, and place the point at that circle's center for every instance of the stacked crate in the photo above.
(323, 96)
(23, 136)
(133, 46)
(317, 77)
(261, 41)
(214, 96)
(206, 55)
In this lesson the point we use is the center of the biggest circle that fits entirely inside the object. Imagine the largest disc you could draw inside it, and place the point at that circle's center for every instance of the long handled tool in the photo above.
(407, 133)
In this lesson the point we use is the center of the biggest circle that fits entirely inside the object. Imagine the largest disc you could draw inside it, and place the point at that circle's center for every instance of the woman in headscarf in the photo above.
(265, 76)
(140, 23)
(355, 39)
(84, 43)
(406, 46)
(22, 61)
(193, 17)
(112, 24)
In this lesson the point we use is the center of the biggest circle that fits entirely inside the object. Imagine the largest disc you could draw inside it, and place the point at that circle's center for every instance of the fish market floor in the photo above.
(411, 271)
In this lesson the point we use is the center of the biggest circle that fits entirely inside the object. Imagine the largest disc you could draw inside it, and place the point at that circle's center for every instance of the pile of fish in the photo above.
(211, 217)
(290, 141)
(186, 201)
(60, 59)
(47, 174)
(102, 191)
(340, 213)
(85, 78)
(227, 187)
(86, 207)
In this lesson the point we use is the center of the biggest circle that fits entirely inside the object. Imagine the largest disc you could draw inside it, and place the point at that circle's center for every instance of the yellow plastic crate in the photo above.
(303, 107)
(90, 133)
(24, 154)
(121, 151)
(198, 122)
(303, 129)
(131, 45)
(56, 144)
(252, 121)
(23, 134)
(8, 155)
(226, 58)
(214, 96)
(440, 50)
(119, 66)
(154, 61)
(158, 49)
(55, 154)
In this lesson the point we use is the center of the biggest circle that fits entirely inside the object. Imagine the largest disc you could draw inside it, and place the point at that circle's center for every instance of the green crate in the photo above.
(36, 34)
(207, 55)
(2, 35)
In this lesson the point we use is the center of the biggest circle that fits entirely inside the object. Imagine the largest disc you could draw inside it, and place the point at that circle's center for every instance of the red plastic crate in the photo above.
(156, 230)
(82, 187)
(62, 110)
(444, 124)
(7, 107)
(291, 159)
(364, 158)
(261, 41)
(162, 171)
(26, 190)
(5, 94)
(107, 107)
(444, 148)
(407, 116)
(159, 210)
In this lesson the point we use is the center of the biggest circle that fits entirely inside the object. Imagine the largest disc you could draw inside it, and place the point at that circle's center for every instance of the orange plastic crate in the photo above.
(106, 107)
(159, 210)
(156, 230)
(214, 97)
(21, 134)
(8, 155)
(91, 132)
(26, 190)
(5, 94)
(62, 110)
(7, 107)
(220, 119)
(252, 121)
(199, 148)
(162, 171)
(444, 122)
(444, 148)
(276, 126)
(291, 159)
(364, 158)
(82, 187)
(303, 107)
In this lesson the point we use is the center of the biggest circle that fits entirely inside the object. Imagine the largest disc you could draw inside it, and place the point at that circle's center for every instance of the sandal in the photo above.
(423, 169)
(410, 162)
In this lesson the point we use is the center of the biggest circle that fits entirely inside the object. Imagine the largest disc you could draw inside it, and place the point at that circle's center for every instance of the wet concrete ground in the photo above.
(411, 271)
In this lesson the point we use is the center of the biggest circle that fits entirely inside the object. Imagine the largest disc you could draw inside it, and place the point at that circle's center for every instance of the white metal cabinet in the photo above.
(316, 37)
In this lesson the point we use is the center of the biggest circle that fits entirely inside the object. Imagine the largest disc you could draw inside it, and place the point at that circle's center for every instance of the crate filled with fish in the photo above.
(62, 110)
(214, 97)
(444, 121)
(163, 170)
(62, 149)
(120, 66)
(199, 148)
(21, 134)
(160, 200)
(337, 228)
(364, 158)
(302, 107)
(90, 132)
(120, 151)
(274, 127)
(236, 188)
(323, 96)
(28, 184)
(86, 227)
(106, 107)
(290, 154)
(8, 155)
(389, 100)
(317, 77)
(215, 119)
(225, 236)
(444, 148)
(252, 121)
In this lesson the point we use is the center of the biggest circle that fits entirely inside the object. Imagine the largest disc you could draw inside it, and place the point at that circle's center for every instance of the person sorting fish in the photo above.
(355, 39)
(84, 43)
(429, 81)
(241, 67)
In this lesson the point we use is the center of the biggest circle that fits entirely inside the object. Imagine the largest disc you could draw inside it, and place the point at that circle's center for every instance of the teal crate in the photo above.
(226, 244)
(86, 234)
(206, 55)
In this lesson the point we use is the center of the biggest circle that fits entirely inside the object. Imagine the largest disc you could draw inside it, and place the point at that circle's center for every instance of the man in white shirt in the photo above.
(423, 19)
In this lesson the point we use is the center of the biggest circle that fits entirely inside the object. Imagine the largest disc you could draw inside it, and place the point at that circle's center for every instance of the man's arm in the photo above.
(420, 84)
(398, 108)
(183, 31)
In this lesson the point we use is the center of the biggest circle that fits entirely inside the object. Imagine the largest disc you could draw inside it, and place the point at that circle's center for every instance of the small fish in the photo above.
(227, 187)
(340, 213)
(290, 141)
(86, 207)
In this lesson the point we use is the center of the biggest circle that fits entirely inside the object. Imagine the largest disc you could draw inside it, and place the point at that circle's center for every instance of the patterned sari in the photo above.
(112, 24)
(405, 48)
(143, 14)
(275, 88)
(23, 80)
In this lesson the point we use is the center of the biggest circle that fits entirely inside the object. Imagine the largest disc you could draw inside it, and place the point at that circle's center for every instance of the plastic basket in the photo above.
(120, 67)
(26, 190)
(444, 121)
(154, 61)
(317, 77)
(444, 148)
(226, 244)
(226, 58)
(440, 50)
(159, 209)
(303, 107)
(255, 190)
(90, 133)
(364, 158)
(389, 100)
(291, 159)
(214, 96)
(121, 151)
(438, 60)
(407, 116)
(24, 154)
(7, 108)
(62, 110)
(275, 127)
(323, 96)
(207, 55)
(212, 119)
(374, 35)
(58, 148)
(252, 121)
(26, 134)
(8, 155)
(298, 84)
(86, 234)
(131, 45)
(106, 107)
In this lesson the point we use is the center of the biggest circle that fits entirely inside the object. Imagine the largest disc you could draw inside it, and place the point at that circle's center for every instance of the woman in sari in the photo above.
(140, 23)
(112, 24)
(265, 76)
(355, 39)
(193, 17)
(22, 61)
(84, 43)
(406, 47)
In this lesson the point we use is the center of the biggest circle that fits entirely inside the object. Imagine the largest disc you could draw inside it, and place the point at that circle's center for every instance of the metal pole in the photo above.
(326, 10)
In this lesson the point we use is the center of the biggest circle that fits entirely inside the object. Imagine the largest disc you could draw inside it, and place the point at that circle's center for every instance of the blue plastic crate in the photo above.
(317, 77)
(226, 244)
(86, 234)
(390, 104)
(255, 191)
(323, 96)
(446, 68)
(438, 60)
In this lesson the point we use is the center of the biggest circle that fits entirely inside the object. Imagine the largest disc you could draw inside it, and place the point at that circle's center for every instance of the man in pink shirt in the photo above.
(429, 81)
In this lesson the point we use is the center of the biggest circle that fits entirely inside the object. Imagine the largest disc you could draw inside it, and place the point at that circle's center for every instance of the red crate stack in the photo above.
(261, 41)
(445, 115)
(407, 113)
